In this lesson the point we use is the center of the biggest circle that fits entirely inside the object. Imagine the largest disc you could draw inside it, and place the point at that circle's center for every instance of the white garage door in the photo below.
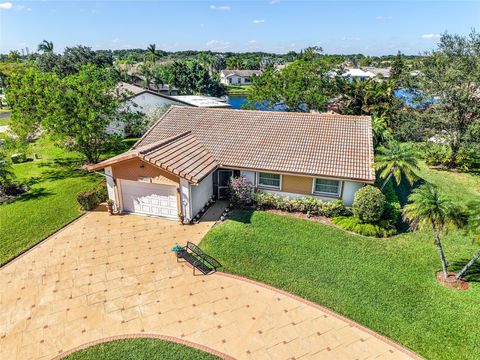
(149, 199)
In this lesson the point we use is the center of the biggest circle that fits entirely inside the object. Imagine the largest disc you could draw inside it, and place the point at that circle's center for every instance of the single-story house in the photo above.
(147, 101)
(238, 77)
(189, 155)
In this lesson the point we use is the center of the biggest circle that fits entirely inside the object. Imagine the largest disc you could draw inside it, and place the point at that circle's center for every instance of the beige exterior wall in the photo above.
(297, 184)
(136, 169)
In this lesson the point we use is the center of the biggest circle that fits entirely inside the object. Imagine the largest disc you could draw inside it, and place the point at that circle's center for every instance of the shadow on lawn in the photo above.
(473, 274)
(62, 168)
(31, 194)
(242, 216)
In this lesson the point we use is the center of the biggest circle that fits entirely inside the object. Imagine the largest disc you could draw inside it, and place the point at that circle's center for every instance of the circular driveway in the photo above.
(113, 276)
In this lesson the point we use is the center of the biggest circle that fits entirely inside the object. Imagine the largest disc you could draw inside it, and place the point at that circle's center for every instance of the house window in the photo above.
(325, 186)
(268, 180)
(229, 80)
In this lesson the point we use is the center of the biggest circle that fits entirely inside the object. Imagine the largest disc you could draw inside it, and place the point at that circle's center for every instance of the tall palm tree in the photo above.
(473, 227)
(397, 160)
(45, 46)
(428, 208)
(152, 54)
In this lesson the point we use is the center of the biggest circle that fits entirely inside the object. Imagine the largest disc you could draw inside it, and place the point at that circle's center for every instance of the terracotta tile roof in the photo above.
(324, 145)
(182, 155)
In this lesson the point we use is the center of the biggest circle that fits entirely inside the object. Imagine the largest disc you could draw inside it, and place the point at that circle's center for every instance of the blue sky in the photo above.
(369, 27)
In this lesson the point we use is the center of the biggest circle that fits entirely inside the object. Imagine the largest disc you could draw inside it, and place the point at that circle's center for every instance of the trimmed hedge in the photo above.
(352, 223)
(90, 199)
(308, 205)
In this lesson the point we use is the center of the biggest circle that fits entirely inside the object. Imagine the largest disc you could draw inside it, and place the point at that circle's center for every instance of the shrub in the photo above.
(352, 223)
(437, 154)
(393, 209)
(18, 158)
(241, 191)
(90, 199)
(306, 205)
(368, 204)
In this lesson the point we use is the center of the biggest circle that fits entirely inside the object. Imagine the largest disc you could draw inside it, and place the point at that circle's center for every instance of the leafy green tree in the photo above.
(45, 46)
(428, 208)
(451, 73)
(28, 97)
(397, 160)
(78, 110)
(190, 77)
(381, 131)
(304, 85)
(398, 68)
(14, 56)
(369, 97)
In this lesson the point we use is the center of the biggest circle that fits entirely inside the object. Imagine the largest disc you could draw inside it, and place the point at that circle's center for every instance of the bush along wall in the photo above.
(90, 199)
(307, 205)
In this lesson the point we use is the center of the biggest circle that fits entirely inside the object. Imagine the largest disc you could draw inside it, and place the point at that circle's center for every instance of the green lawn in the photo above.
(54, 182)
(140, 349)
(238, 89)
(387, 285)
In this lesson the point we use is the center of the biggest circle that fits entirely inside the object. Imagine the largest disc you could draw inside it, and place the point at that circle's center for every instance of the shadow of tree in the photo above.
(32, 194)
(61, 168)
(472, 275)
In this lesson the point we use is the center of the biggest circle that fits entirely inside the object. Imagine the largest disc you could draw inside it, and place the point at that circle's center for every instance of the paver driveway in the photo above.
(106, 276)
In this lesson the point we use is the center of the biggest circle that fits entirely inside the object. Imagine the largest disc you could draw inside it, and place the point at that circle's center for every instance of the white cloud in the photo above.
(383, 18)
(252, 41)
(430, 36)
(273, 2)
(220, 8)
(116, 40)
(259, 21)
(218, 45)
(6, 5)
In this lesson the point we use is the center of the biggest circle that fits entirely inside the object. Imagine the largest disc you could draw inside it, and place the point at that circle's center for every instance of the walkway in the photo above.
(106, 276)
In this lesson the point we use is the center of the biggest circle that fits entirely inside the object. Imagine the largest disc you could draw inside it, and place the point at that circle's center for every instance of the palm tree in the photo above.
(428, 208)
(152, 54)
(397, 160)
(146, 72)
(473, 227)
(45, 46)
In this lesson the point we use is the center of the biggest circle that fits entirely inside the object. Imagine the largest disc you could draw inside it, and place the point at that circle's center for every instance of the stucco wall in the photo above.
(147, 103)
(134, 169)
(349, 189)
(201, 193)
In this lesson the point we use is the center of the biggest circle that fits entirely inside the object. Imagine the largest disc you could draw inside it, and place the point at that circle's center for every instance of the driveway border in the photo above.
(328, 311)
(146, 336)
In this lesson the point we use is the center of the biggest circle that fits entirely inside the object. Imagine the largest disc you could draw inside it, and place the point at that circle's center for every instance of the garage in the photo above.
(149, 199)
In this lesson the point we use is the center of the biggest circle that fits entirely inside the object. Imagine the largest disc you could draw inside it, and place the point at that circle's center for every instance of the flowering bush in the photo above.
(306, 205)
(241, 191)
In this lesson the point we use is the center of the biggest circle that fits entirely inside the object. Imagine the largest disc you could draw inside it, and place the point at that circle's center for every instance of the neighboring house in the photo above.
(147, 101)
(189, 155)
(366, 73)
(238, 77)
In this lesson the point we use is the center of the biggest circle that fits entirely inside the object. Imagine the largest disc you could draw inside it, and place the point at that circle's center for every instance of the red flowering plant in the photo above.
(241, 191)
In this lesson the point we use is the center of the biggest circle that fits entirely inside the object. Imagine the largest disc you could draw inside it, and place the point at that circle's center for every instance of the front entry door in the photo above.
(223, 179)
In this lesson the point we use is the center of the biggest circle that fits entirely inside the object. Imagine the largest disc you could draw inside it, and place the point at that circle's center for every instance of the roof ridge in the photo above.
(276, 112)
(157, 144)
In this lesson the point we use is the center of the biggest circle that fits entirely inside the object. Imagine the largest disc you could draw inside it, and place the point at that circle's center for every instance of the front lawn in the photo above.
(140, 349)
(387, 285)
(49, 204)
(238, 89)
